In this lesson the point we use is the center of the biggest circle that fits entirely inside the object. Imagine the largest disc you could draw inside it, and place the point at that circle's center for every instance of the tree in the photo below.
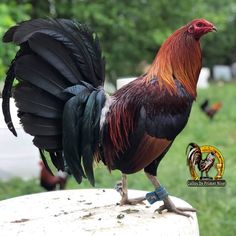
(131, 31)
(9, 17)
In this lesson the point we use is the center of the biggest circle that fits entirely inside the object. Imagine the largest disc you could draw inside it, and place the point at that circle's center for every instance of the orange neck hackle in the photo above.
(179, 58)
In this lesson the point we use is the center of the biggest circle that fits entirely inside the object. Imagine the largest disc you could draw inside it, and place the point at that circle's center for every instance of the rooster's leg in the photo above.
(122, 188)
(201, 175)
(168, 204)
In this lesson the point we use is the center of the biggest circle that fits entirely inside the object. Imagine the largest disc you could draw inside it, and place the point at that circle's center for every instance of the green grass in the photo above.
(216, 206)
(17, 187)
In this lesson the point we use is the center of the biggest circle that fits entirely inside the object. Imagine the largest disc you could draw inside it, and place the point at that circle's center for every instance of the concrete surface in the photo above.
(90, 212)
(18, 156)
(123, 81)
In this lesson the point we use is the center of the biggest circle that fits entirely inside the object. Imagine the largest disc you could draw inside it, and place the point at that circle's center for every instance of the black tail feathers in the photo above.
(204, 105)
(81, 128)
(60, 73)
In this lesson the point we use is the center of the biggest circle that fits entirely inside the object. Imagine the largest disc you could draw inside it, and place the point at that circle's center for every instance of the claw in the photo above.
(176, 210)
(133, 201)
(186, 209)
(170, 207)
(121, 187)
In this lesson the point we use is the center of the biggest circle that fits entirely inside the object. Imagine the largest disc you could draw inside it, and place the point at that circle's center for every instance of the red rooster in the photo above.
(62, 103)
(194, 157)
(210, 110)
(51, 182)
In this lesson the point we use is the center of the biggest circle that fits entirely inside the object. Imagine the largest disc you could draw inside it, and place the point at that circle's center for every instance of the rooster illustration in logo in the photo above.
(194, 157)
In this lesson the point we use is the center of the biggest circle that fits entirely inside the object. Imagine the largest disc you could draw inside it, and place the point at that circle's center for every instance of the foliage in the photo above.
(132, 31)
(17, 187)
(9, 16)
(216, 206)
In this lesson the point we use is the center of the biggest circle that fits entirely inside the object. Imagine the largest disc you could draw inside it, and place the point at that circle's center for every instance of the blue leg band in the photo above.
(158, 195)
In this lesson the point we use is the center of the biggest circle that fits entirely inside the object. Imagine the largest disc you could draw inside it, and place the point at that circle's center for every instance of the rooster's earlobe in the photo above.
(191, 29)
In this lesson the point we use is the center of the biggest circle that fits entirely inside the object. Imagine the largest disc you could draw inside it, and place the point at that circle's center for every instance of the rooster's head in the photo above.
(199, 27)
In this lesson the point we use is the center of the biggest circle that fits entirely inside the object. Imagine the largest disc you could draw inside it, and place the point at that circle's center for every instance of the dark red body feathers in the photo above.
(142, 123)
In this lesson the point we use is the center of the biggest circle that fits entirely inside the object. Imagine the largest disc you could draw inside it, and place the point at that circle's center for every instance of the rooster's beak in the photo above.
(213, 29)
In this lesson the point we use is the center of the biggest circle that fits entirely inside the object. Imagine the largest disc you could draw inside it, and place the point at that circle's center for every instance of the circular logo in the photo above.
(213, 159)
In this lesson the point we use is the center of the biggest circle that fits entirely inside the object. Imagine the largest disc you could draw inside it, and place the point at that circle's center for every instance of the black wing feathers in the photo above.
(171, 116)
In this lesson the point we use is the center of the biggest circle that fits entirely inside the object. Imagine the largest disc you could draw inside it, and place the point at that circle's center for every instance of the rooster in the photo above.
(195, 158)
(210, 111)
(61, 100)
(49, 181)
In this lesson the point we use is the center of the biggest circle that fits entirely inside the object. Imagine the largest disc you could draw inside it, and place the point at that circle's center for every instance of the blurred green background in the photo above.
(131, 32)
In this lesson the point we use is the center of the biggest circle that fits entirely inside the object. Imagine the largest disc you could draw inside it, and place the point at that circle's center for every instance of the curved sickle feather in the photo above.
(6, 94)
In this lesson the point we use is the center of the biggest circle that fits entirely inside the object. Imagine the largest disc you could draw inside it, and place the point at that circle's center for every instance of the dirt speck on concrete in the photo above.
(20, 221)
(120, 216)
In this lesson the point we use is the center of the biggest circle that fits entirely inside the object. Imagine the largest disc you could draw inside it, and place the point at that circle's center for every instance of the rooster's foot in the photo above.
(133, 201)
(120, 188)
(170, 207)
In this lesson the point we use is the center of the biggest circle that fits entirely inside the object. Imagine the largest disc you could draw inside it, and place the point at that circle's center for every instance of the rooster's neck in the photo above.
(180, 59)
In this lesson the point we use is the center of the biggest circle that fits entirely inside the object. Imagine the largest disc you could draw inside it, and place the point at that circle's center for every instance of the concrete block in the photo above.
(203, 78)
(90, 212)
(222, 72)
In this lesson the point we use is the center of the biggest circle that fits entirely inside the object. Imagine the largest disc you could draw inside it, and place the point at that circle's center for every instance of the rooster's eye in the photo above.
(199, 24)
